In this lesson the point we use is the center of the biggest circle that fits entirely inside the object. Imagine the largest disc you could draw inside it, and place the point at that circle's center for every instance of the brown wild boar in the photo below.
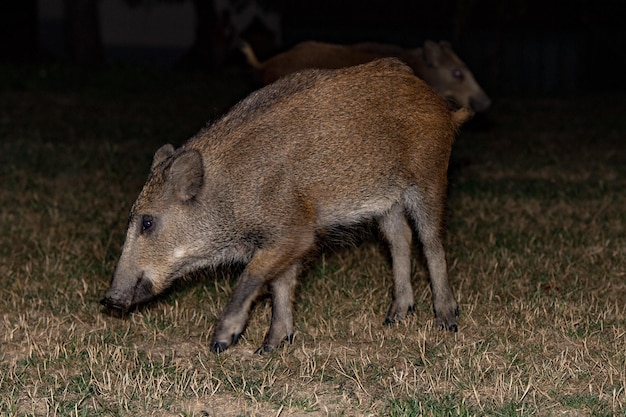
(435, 63)
(316, 151)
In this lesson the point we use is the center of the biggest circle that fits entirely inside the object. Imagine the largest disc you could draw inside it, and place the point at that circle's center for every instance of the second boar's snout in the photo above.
(480, 102)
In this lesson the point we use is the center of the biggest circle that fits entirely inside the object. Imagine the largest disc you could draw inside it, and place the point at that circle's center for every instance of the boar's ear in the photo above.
(445, 45)
(161, 155)
(432, 53)
(187, 174)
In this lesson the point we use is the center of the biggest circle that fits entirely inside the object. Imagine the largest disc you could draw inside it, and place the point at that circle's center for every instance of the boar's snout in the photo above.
(112, 304)
(480, 102)
(124, 296)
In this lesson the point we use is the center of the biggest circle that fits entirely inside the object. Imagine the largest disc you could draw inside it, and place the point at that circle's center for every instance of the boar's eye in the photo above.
(458, 74)
(147, 222)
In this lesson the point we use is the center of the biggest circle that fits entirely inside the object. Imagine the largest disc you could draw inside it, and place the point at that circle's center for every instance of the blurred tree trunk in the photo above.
(18, 30)
(82, 32)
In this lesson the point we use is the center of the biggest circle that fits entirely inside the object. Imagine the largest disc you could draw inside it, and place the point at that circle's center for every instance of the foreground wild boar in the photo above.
(435, 62)
(317, 150)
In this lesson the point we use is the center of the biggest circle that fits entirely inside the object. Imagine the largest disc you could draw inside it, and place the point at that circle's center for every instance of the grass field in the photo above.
(536, 249)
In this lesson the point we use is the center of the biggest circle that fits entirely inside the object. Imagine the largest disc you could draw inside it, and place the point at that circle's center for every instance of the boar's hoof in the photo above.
(448, 323)
(395, 318)
(451, 327)
(219, 347)
(264, 349)
(267, 348)
(388, 321)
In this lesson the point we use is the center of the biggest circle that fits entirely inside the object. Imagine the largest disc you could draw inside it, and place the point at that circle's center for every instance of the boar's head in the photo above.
(449, 76)
(161, 239)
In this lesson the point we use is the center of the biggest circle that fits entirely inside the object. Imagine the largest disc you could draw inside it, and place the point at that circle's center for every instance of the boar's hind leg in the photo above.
(268, 263)
(397, 231)
(427, 210)
(281, 327)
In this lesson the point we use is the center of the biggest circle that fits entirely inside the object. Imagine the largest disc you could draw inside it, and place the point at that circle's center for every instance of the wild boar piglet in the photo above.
(316, 150)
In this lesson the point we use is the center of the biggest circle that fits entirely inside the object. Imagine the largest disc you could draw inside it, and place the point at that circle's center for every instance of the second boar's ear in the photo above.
(161, 155)
(187, 174)
(432, 53)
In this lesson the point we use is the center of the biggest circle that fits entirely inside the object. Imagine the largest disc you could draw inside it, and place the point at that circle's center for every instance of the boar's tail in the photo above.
(461, 116)
(251, 58)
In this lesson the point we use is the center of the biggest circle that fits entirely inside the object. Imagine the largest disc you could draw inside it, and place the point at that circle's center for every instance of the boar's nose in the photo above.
(109, 302)
(480, 103)
(124, 293)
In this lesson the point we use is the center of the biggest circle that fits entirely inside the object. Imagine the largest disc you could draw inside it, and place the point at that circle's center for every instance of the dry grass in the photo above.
(537, 238)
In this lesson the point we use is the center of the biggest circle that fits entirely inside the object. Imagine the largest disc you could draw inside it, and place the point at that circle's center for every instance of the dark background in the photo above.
(513, 47)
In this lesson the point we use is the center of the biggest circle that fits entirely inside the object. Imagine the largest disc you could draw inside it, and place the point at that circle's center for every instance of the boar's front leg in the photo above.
(280, 262)
(281, 328)
(235, 314)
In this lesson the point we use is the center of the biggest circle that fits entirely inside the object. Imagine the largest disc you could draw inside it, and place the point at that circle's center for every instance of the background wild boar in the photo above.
(313, 151)
(435, 62)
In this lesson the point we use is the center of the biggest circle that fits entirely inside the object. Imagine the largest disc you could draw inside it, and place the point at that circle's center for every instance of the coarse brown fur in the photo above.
(313, 151)
(435, 62)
